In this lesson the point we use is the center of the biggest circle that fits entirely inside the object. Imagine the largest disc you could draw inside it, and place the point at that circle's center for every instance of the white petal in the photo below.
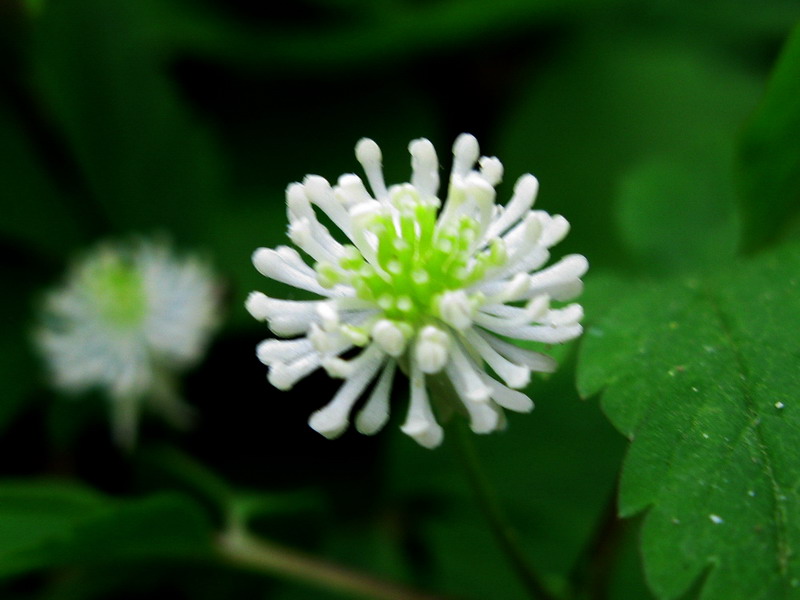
(328, 315)
(332, 420)
(465, 153)
(506, 397)
(569, 315)
(431, 349)
(499, 292)
(525, 191)
(484, 417)
(272, 264)
(373, 416)
(320, 193)
(329, 343)
(465, 376)
(369, 155)
(538, 333)
(555, 231)
(516, 376)
(491, 169)
(425, 166)
(350, 191)
(560, 276)
(536, 361)
(420, 423)
(284, 375)
(455, 309)
(310, 240)
(390, 337)
(535, 309)
(345, 369)
(272, 351)
(257, 304)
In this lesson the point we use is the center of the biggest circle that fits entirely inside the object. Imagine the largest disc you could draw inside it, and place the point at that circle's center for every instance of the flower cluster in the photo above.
(127, 318)
(433, 287)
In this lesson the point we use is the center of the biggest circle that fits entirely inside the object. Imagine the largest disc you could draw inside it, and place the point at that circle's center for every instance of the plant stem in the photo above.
(241, 548)
(503, 533)
(592, 571)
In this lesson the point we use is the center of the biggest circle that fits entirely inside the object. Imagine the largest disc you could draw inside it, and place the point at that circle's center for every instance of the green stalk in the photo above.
(242, 549)
(503, 532)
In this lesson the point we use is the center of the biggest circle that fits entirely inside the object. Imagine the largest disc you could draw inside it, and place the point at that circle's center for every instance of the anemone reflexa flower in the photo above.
(128, 318)
(436, 288)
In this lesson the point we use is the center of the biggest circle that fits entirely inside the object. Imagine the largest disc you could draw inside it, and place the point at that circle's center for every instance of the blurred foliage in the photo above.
(648, 127)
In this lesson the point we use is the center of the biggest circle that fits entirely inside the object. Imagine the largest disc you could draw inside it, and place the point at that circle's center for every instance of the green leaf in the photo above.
(35, 213)
(361, 33)
(674, 217)
(148, 163)
(614, 100)
(49, 524)
(769, 155)
(703, 376)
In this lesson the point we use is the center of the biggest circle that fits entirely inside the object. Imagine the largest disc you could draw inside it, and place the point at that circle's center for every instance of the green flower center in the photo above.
(118, 288)
(416, 260)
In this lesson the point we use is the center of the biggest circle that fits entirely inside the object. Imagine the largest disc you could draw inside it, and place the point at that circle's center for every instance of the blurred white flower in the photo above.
(432, 287)
(128, 318)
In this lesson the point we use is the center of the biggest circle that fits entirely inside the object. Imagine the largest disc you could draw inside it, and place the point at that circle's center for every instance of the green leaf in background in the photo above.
(50, 524)
(147, 162)
(769, 155)
(703, 376)
(673, 216)
(615, 101)
(34, 212)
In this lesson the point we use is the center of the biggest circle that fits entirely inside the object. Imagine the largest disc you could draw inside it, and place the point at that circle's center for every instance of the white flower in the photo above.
(432, 287)
(125, 321)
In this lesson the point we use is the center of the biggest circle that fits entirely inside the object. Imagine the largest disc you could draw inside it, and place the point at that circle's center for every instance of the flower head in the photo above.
(432, 286)
(125, 321)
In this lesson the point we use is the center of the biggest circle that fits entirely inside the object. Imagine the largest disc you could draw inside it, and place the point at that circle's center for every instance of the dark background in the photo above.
(189, 118)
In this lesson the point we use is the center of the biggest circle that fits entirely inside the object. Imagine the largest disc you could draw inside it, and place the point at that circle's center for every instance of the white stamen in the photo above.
(345, 369)
(320, 193)
(257, 304)
(536, 361)
(373, 416)
(515, 376)
(350, 191)
(332, 420)
(311, 241)
(525, 191)
(425, 167)
(284, 375)
(465, 153)
(491, 169)
(484, 417)
(506, 397)
(498, 292)
(559, 278)
(420, 423)
(554, 231)
(537, 333)
(455, 309)
(368, 153)
(432, 347)
(390, 337)
(272, 351)
(569, 315)
(328, 315)
(464, 374)
(535, 309)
